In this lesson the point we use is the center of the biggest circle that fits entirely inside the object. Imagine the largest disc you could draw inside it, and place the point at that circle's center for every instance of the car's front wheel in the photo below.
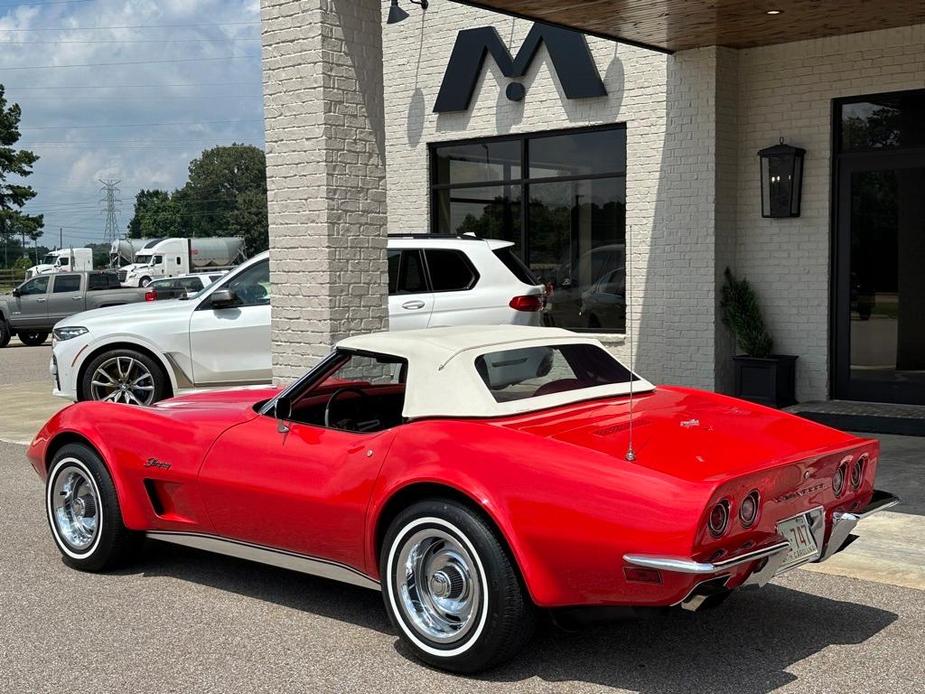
(451, 589)
(33, 338)
(124, 375)
(5, 333)
(84, 514)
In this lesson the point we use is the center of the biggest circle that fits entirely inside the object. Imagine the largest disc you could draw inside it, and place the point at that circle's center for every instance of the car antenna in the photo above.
(630, 452)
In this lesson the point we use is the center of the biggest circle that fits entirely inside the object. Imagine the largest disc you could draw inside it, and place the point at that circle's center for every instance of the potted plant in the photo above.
(760, 375)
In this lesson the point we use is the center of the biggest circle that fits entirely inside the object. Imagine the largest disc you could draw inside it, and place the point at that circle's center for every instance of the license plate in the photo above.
(802, 543)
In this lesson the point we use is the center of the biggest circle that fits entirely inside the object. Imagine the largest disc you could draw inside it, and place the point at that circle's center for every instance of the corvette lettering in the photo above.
(800, 493)
(155, 463)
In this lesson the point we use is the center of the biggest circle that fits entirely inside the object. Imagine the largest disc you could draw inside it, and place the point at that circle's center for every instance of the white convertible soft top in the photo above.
(442, 377)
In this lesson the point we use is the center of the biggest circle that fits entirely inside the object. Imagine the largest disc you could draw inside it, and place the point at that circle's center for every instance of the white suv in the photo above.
(142, 353)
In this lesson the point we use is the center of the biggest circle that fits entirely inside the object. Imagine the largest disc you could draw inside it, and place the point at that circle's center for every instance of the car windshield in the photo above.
(142, 259)
(49, 259)
(531, 372)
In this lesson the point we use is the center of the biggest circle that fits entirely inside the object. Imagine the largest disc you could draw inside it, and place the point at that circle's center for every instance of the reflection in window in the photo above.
(886, 121)
(566, 217)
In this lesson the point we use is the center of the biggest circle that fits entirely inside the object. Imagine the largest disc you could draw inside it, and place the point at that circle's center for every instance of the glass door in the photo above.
(880, 305)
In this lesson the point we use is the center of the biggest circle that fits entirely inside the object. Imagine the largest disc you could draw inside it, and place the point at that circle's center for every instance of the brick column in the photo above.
(325, 134)
(681, 338)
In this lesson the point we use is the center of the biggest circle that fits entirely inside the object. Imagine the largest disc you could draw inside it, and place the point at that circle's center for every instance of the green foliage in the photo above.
(23, 263)
(157, 215)
(226, 195)
(741, 313)
(15, 162)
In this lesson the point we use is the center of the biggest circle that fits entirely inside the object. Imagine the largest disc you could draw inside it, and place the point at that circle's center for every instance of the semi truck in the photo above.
(64, 260)
(178, 256)
(123, 251)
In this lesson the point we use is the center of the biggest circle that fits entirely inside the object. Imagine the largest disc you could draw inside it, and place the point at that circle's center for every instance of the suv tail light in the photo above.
(150, 295)
(527, 303)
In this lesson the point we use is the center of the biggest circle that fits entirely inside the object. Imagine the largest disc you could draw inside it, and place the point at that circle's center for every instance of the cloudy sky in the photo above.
(126, 89)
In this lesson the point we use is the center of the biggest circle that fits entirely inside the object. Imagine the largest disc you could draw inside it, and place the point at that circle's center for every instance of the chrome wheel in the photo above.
(75, 507)
(438, 586)
(123, 379)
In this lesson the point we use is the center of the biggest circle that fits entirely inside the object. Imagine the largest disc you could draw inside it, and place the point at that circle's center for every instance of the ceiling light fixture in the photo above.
(397, 14)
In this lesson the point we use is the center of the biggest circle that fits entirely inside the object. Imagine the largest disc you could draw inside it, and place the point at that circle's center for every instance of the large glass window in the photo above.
(561, 199)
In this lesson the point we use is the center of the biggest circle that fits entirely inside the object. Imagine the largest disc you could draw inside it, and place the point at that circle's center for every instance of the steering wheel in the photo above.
(336, 394)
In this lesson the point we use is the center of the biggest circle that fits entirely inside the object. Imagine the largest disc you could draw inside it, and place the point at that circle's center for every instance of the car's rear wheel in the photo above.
(144, 282)
(33, 338)
(84, 514)
(451, 589)
(5, 333)
(124, 375)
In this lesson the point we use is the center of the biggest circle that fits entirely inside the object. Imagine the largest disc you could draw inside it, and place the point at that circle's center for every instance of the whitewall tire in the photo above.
(84, 514)
(451, 589)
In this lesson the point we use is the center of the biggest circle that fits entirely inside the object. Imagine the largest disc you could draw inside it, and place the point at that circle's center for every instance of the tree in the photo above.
(226, 195)
(226, 190)
(157, 215)
(15, 162)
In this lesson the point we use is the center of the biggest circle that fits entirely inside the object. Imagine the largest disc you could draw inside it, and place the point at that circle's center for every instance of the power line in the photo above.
(149, 85)
(181, 97)
(129, 41)
(141, 125)
(138, 26)
(132, 62)
(49, 2)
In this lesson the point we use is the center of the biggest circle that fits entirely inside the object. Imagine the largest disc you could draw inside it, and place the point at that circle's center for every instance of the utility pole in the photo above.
(110, 192)
(60, 237)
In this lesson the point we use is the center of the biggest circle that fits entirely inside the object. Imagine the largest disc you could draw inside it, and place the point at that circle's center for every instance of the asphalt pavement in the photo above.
(187, 621)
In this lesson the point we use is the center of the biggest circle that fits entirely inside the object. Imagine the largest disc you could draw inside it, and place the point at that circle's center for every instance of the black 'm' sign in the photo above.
(568, 51)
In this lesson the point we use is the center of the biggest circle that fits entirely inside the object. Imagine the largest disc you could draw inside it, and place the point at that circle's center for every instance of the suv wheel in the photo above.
(33, 338)
(5, 333)
(124, 375)
(451, 590)
(144, 282)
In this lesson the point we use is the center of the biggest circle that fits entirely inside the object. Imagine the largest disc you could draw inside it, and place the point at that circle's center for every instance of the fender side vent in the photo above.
(156, 503)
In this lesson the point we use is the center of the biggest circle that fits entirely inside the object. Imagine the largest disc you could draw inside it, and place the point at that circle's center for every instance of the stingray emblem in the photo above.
(690, 423)
(155, 463)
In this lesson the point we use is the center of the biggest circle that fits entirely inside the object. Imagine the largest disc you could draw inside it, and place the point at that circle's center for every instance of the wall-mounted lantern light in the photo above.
(781, 180)
(397, 14)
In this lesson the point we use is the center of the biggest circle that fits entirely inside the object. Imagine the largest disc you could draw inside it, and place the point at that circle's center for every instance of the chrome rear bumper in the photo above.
(842, 525)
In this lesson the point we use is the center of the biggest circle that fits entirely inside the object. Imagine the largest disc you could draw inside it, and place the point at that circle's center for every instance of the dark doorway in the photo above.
(880, 248)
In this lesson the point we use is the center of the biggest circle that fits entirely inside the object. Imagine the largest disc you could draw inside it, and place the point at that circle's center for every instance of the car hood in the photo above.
(232, 399)
(105, 316)
(688, 434)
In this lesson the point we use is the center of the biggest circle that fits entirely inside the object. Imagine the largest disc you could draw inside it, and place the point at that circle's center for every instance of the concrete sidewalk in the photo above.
(24, 408)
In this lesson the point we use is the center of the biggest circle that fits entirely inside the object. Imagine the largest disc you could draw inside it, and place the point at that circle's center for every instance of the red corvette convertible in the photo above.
(474, 476)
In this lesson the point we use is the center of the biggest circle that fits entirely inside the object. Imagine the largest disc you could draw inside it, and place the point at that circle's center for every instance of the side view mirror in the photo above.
(283, 411)
(223, 298)
(16, 292)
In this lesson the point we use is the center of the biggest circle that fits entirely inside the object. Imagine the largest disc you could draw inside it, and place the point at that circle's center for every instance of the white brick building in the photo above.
(355, 150)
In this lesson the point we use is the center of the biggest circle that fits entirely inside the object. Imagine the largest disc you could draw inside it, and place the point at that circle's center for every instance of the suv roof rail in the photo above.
(426, 235)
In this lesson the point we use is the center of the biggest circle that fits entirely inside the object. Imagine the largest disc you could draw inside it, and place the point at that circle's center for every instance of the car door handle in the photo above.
(77, 298)
(40, 301)
(413, 305)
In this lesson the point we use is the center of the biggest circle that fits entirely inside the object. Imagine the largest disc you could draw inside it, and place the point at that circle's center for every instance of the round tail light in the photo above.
(838, 481)
(719, 519)
(857, 471)
(748, 510)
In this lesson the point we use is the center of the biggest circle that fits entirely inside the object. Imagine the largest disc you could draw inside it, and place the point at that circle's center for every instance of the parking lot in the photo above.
(185, 621)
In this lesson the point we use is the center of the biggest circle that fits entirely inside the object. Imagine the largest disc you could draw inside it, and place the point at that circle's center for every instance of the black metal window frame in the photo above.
(524, 182)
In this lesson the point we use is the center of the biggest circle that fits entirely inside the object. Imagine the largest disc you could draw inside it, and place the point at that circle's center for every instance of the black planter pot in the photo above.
(770, 381)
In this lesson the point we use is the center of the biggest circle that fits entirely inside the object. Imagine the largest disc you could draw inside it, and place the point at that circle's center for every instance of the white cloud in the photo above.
(60, 104)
